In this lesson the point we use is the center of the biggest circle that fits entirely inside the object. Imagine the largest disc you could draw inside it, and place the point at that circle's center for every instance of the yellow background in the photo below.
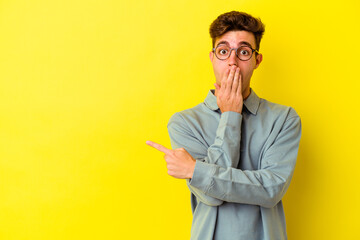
(83, 85)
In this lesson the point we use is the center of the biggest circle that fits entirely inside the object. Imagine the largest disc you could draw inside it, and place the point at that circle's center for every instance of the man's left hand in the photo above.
(179, 162)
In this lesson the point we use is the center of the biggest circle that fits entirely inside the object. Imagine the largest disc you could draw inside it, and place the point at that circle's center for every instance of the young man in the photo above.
(236, 151)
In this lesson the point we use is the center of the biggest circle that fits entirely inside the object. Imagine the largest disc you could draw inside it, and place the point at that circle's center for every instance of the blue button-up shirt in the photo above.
(244, 164)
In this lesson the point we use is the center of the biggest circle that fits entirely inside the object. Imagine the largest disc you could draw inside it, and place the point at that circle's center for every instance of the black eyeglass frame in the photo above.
(252, 52)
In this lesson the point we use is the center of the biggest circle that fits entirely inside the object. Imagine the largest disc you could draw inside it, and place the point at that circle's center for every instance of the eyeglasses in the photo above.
(223, 52)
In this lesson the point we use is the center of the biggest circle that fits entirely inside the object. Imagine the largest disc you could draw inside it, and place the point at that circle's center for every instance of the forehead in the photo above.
(235, 38)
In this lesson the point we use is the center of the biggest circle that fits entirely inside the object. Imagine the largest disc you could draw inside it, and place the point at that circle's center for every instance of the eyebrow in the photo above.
(239, 43)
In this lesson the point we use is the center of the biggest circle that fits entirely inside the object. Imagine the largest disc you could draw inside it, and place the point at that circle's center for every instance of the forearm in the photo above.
(261, 187)
(225, 151)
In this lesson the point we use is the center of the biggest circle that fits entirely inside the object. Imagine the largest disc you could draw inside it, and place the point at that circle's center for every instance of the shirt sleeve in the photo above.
(264, 187)
(224, 152)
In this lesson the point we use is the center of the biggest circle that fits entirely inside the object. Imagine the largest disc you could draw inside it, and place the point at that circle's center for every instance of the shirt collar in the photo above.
(210, 100)
(251, 103)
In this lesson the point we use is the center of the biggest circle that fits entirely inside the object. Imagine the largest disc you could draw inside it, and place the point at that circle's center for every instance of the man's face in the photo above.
(235, 39)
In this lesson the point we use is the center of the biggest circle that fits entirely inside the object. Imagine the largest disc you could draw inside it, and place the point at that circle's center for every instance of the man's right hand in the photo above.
(229, 94)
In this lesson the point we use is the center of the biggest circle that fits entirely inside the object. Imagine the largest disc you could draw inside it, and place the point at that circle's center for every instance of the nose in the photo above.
(232, 60)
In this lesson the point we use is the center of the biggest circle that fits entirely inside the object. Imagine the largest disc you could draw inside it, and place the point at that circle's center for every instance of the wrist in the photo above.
(192, 168)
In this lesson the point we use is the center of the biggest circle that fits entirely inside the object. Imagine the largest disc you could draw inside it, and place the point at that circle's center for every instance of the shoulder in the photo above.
(188, 116)
(276, 111)
(280, 120)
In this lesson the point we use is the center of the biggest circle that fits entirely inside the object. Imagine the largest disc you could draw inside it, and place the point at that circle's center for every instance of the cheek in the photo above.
(247, 70)
(219, 71)
(246, 78)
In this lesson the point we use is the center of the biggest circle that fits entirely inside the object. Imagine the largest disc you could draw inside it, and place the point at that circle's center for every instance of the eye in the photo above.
(223, 51)
(244, 52)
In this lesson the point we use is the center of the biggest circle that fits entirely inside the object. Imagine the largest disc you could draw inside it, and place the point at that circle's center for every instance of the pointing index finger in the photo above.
(159, 147)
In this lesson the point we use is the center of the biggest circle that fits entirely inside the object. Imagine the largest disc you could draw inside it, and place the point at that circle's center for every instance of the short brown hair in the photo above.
(232, 21)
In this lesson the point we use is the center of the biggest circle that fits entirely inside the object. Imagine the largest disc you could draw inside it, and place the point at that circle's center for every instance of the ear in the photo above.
(211, 56)
(259, 58)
